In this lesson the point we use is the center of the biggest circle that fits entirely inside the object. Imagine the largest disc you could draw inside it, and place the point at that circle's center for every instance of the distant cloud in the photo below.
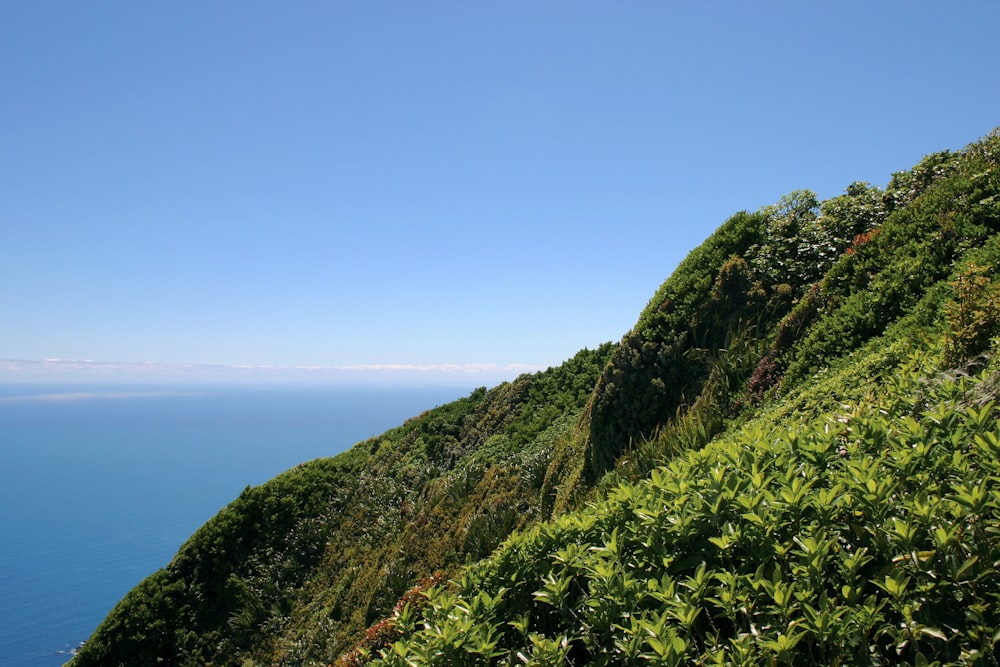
(72, 370)
(440, 368)
(78, 396)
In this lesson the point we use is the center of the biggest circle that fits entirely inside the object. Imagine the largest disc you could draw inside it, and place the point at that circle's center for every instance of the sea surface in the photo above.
(100, 485)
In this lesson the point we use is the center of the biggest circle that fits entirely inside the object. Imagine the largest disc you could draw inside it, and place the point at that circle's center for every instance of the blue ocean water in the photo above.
(99, 486)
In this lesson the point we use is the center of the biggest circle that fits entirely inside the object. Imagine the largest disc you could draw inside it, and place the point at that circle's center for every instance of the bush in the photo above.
(974, 316)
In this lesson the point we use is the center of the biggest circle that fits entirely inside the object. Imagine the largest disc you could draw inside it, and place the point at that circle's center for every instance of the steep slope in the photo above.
(844, 514)
(294, 570)
(811, 280)
(864, 535)
(757, 374)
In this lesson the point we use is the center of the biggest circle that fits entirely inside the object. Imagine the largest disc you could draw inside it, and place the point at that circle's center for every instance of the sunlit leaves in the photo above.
(778, 545)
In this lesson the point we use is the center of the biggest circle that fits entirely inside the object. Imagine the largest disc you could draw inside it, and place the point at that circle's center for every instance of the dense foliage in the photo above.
(866, 535)
(811, 280)
(295, 570)
(788, 460)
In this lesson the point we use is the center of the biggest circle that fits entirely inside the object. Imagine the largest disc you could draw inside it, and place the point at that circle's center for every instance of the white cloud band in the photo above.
(56, 370)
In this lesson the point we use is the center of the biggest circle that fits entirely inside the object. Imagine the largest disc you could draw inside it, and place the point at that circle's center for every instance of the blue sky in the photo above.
(428, 186)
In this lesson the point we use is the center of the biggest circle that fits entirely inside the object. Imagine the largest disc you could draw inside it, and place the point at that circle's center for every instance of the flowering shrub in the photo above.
(862, 239)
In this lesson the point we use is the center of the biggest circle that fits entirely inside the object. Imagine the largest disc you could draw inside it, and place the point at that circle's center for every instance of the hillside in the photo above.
(789, 459)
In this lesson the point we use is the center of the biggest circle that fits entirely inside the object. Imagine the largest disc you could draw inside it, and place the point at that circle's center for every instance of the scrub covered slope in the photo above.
(790, 459)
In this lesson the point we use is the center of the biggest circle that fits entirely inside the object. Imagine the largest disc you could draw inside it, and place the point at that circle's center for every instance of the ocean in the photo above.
(100, 485)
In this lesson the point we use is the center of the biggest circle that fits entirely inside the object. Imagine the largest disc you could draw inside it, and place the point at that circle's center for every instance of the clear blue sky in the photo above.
(426, 183)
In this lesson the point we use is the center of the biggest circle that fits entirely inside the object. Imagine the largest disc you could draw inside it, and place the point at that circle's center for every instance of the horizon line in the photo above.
(58, 368)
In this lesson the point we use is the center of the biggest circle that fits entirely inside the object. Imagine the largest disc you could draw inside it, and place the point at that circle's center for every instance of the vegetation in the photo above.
(790, 459)
(295, 570)
(866, 535)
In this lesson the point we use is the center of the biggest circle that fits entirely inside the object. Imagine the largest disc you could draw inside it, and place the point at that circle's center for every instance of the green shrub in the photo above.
(974, 316)
(865, 536)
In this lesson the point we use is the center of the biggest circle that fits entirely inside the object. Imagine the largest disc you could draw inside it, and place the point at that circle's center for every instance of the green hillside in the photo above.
(790, 459)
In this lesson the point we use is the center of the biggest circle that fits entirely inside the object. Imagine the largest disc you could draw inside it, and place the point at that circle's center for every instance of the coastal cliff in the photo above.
(788, 459)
